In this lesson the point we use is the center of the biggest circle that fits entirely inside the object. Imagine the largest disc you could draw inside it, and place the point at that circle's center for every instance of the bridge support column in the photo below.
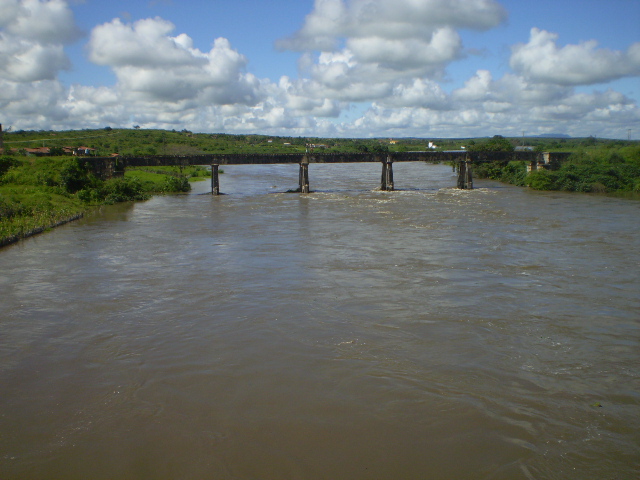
(386, 183)
(303, 177)
(215, 180)
(465, 178)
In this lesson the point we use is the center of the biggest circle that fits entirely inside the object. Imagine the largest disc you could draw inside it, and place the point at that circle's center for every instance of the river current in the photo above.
(426, 333)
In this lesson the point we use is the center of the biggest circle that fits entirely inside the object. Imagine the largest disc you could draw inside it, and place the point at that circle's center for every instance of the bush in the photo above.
(496, 144)
(541, 180)
(176, 184)
(120, 190)
(74, 176)
(90, 196)
(6, 163)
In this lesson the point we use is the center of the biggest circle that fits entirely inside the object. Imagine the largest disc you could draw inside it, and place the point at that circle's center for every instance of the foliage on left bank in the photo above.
(37, 193)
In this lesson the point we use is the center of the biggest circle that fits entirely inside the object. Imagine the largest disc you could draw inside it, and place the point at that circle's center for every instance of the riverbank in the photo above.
(37, 194)
(611, 171)
(10, 239)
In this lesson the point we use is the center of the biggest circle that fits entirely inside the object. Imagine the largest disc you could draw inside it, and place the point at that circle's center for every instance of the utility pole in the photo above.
(1, 139)
(628, 133)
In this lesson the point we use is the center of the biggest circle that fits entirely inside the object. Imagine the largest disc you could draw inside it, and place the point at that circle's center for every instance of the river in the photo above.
(426, 333)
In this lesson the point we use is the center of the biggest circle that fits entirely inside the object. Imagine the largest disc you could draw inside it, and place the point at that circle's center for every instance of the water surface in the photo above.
(350, 333)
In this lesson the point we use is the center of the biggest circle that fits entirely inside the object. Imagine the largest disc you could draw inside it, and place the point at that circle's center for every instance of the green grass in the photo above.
(156, 175)
(26, 209)
(140, 141)
(37, 193)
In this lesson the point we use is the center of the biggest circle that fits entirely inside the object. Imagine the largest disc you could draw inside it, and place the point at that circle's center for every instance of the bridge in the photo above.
(108, 167)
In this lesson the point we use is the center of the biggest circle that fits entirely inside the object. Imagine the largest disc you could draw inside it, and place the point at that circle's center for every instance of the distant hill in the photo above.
(554, 135)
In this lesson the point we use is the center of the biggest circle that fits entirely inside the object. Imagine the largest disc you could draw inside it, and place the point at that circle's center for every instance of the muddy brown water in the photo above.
(426, 333)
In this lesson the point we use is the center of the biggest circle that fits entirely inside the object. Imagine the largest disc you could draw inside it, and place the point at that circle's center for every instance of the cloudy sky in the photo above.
(337, 68)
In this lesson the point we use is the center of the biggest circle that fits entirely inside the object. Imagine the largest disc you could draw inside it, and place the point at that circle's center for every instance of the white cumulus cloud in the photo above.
(41, 21)
(364, 50)
(333, 20)
(152, 65)
(32, 39)
(584, 64)
(367, 68)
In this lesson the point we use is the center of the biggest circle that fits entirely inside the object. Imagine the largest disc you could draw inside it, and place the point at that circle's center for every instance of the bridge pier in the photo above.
(303, 177)
(465, 178)
(215, 180)
(386, 183)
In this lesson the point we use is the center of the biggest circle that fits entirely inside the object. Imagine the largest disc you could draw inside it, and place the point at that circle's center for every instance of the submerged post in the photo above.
(303, 177)
(386, 182)
(215, 180)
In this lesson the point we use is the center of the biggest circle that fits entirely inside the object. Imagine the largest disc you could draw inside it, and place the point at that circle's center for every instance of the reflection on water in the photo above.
(349, 333)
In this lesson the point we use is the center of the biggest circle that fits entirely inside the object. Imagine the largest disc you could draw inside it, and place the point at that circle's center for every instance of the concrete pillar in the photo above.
(303, 177)
(215, 180)
(386, 183)
(465, 178)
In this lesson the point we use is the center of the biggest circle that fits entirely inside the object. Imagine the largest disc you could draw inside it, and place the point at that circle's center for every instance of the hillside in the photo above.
(107, 141)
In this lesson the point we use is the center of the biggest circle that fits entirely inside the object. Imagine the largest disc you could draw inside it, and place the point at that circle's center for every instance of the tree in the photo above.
(496, 144)
(74, 176)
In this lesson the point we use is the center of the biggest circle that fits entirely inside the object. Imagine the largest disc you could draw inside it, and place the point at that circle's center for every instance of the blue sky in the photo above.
(348, 68)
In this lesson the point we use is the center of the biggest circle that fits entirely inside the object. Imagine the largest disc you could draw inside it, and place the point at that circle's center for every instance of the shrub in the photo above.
(121, 190)
(541, 180)
(74, 176)
(6, 163)
(176, 184)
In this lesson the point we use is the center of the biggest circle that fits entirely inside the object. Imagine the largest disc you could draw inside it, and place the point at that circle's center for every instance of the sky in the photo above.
(324, 68)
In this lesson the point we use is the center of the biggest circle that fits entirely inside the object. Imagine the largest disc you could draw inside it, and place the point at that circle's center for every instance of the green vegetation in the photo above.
(496, 144)
(37, 193)
(597, 171)
(26, 209)
(138, 141)
(514, 172)
(604, 169)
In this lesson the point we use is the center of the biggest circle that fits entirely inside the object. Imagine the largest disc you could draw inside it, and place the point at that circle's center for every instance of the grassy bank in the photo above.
(600, 170)
(38, 193)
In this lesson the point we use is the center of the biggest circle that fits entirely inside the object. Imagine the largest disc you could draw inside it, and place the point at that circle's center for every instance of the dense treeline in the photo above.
(140, 141)
(604, 169)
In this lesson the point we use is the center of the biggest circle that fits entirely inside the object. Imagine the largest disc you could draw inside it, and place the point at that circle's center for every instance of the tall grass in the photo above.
(37, 193)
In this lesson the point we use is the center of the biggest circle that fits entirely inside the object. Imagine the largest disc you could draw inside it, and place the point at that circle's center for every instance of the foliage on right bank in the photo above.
(605, 170)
